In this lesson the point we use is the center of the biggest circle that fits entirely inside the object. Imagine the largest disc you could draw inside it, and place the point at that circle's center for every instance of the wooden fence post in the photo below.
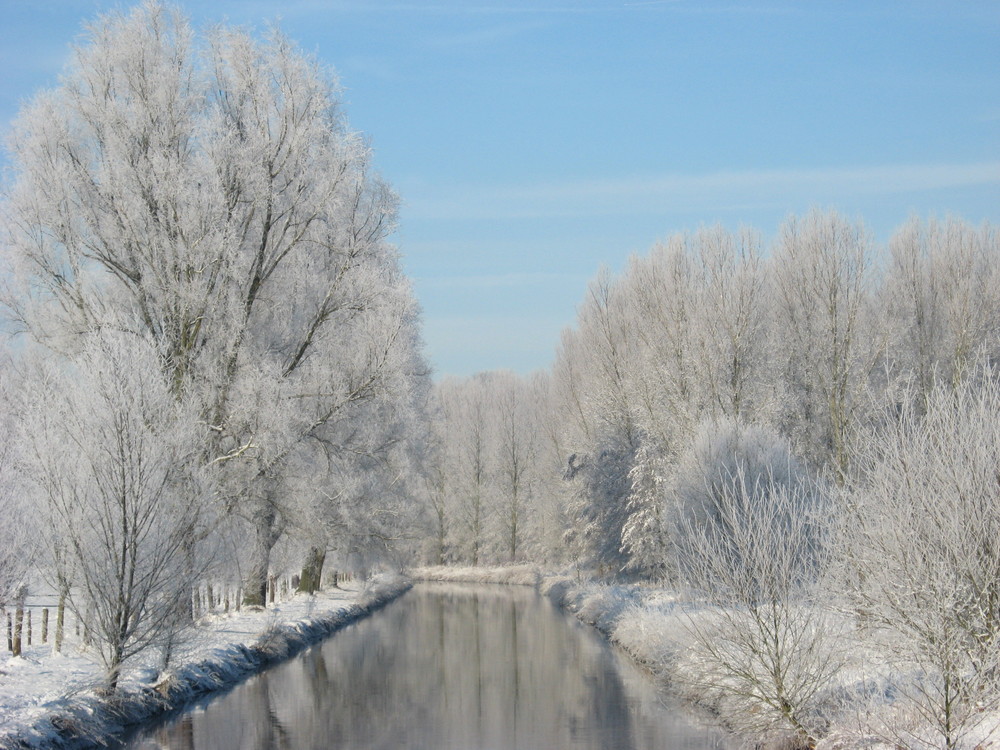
(60, 622)
(22, 594)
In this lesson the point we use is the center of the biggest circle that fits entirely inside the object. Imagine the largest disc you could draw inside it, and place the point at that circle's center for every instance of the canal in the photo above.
(449, 667)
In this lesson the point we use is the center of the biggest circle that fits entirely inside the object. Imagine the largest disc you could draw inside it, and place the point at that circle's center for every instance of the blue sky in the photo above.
(533, 141)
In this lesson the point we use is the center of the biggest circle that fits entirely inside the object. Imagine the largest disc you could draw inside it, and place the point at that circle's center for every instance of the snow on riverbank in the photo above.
(615, 610)
(652, 625)
(522, 575)
(51, 700)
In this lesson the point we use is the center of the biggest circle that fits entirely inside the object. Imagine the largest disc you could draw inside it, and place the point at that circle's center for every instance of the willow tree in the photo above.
(210, 191)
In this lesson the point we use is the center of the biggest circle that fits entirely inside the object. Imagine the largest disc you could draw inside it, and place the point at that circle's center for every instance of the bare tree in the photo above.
(466, 411)
(750, 547)
(921, 546)
(941, 301)
(515, 448)
(107, 444)
(824, 269)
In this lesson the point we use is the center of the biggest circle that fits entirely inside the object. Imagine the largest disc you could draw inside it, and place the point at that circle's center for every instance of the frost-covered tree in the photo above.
(823, 269)
(920, 538)
(437, 480)
(941, 299)
(750, 545)
(210, 191)
(594, 367)
(488, 457)
(661, 291)
(20, 543)
(515, 446)
(465, 420)
(698, 312)
(107, 447)
(693, 337)
(646, 532)
(365, 477)
(547, 465)
(732, 324)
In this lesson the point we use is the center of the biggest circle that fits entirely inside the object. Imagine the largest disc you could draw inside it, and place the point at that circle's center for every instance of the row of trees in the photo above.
(215, 339)
(218, 365)
(818, 338)
(798, 436)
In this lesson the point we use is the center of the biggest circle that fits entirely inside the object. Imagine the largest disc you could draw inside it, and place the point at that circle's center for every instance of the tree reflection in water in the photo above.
(447, 666)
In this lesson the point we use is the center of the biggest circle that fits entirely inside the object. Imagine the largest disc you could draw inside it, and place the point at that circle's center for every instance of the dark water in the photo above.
(446, 667)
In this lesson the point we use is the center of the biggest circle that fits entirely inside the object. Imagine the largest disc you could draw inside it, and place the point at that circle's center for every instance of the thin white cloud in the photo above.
(680, 192)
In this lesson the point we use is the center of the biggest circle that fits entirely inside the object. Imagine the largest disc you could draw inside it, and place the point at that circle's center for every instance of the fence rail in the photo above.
(35, 620)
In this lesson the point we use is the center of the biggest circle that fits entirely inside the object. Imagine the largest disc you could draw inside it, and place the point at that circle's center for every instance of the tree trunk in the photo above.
(18, 627)
(60, 621)
(186, 603)
(21, 595)
(312, 571)
(88, 617)
(114, 669)
(265, 536)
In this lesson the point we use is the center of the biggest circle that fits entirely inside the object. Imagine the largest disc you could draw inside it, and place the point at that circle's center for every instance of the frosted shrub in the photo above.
(749, 549)
(921, 541)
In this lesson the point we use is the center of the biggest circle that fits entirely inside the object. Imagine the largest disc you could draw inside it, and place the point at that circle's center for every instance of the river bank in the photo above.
(52, 700)
(863, 701)
(449, 666)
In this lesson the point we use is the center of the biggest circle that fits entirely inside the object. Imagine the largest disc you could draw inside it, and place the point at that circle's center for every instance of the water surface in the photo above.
(449, 667)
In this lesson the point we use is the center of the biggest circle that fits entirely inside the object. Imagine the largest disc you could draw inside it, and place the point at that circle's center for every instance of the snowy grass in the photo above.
(53, 701)
(522, 575)
(863, 703)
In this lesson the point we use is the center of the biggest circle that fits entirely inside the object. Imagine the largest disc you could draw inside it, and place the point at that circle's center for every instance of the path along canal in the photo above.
(447, 666)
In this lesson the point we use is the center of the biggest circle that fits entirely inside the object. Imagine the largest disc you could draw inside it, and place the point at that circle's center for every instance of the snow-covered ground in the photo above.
(50, 700)
(526, 575)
